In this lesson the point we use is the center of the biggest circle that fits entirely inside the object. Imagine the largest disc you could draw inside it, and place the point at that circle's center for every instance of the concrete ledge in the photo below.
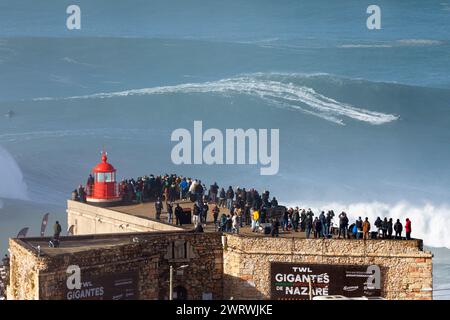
(89, 219)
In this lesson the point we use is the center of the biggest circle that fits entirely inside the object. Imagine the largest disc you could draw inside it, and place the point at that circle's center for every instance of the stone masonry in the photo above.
(406, 269)
(240, 269)
(43, 276)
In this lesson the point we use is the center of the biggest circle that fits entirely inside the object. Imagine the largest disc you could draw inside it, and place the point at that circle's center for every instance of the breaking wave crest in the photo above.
(280, 92)
(11, 181)
(429, 222)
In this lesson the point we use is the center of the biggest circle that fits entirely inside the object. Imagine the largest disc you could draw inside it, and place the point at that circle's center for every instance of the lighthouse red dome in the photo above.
(104, 166)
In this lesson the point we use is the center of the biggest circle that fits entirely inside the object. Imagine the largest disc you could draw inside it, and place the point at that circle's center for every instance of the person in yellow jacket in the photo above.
(366, 229)
(255, 220)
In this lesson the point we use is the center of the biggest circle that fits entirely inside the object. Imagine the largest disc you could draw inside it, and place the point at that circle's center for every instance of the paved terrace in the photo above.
(82, 243)
(147, 210)
(105, 241)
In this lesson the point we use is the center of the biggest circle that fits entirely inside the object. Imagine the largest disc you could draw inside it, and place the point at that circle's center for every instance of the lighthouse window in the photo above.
(100, 177)
(108, 177)
(105, 177)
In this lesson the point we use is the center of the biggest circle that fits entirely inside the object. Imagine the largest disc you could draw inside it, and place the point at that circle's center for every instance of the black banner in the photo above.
(122, 286)
(302, 281)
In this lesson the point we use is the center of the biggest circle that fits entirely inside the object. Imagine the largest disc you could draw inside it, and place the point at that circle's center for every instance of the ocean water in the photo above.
(363, 115)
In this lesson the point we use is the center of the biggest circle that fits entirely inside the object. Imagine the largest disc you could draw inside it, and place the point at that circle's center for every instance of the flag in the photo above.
(23, 233)
(70, 231)
(44, 224)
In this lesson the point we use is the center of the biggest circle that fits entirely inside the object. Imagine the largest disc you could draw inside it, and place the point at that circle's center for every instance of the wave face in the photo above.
(277, 89)
(429, 222)
(11, 182)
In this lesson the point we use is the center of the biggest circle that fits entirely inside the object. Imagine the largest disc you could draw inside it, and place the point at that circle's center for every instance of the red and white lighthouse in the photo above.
(103, 191)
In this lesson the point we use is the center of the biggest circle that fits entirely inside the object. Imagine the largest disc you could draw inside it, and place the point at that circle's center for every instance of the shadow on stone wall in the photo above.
(240, 288)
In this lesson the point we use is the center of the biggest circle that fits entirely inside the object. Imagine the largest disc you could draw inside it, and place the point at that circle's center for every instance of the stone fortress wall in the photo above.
(406, 269)
(36, 276)
(232, 266)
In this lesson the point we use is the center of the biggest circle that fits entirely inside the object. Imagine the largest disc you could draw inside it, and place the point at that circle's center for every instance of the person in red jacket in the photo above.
(408, 229)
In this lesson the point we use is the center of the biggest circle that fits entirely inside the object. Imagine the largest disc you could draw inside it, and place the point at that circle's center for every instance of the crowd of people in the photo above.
(245, 207)
(4, 271)
(240, 203)
(323, 226)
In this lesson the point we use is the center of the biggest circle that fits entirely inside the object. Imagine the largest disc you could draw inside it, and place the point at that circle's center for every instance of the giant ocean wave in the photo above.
(12, 184)
(277, 89)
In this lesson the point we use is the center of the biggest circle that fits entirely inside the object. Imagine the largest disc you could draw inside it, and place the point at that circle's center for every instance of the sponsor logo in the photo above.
(351, 288)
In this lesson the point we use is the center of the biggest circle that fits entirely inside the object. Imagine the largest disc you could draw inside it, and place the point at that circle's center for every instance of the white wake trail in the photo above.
(287, 95)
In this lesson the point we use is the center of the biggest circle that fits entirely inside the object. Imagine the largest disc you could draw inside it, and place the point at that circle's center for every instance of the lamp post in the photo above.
(171, 279)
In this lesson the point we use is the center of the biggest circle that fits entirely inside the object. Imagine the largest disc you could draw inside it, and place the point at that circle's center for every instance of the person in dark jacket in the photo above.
(295, 219)
(275, 225)
(343, 225)
(230, 196)
(205, 210)
(308, 225)
(359, 230)
(389, 229)
(213, 190)
(81, 193)
(178, 214)
(222, 196)
(285, 220)
(56, 230)
(378, 224)
(384, 227)
(223, 222)
(158, 207)
(317, 228)
(229, 224)
(90, 181)
(75, 196)
(398, 228)
(323, 224)
(215, 214)
(274, 203)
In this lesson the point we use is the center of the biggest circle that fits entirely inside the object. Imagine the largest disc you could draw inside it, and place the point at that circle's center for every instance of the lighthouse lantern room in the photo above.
(103, 189)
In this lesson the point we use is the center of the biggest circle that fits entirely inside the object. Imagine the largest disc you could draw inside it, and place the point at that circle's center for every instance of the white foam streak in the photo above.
(419, 42)
(356, 45)
(429, 222)
(284, 94)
